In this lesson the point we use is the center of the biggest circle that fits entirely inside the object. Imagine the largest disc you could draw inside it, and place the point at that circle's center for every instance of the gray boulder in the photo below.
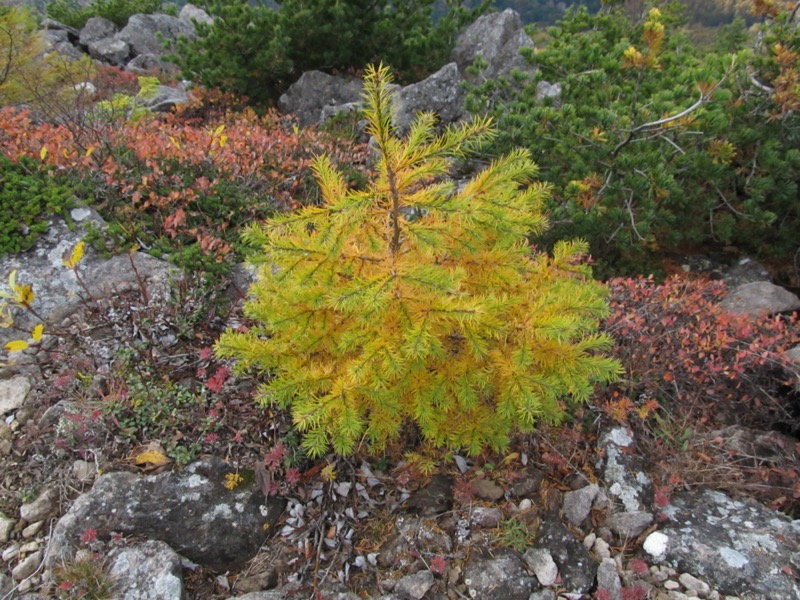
(96, 29)
(315, 90)
(739, 548)
(110, 50)
(190, 13)
(760, 298)
(441, 93)
(144, 32)
(497, 39)
(165, 99)
(56, 288)
(148, 570)
(193, 512)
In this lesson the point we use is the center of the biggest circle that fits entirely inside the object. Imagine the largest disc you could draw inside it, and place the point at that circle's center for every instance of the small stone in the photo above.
(32, 529)
(25, 586)
(693, 584)
(6, 527)
(10, 553)
(84, 471)
(601, 548)
(27, 567)
(629, 524)
(659, 576)
(656, 544)
(671, 585)
(415, 586)
(525, 504)
(713, 595)
(256, 583)
(541, 562)
(588, 541)
(578, 504)
(486, 489)
(608, 579)
(676, 595)
(485, 517)
(41, 508)
(13, 393)
(29, 547)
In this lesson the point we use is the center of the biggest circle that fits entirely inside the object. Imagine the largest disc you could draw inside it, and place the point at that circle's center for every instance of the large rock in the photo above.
(315, 90)
(190, 13)
(497, 39)
(760, 298)
(193, 512)
(57, 291)
(739, 548)
(96, 29)
(441, 93)
(144, 33)
(110, 50)
(165, 98)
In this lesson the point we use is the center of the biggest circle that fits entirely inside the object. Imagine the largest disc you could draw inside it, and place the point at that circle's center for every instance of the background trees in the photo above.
(257, 51)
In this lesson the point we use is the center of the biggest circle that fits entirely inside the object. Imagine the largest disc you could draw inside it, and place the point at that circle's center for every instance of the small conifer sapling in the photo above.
(418, 300)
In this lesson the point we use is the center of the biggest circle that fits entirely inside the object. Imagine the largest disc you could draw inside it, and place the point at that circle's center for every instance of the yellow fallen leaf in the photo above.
(37, 333)
(43, 152)
(151, 457)
(16, 346)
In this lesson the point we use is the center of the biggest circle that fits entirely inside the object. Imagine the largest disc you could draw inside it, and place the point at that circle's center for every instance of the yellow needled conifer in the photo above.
(417, 300)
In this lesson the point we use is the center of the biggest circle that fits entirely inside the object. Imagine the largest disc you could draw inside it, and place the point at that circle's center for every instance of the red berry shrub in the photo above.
(682, 351)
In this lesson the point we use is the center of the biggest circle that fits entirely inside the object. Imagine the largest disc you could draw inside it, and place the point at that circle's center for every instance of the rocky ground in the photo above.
(135, 466)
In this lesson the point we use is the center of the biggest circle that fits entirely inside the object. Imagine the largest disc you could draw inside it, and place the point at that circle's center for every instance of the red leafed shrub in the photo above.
(682, 350)
(179, 181)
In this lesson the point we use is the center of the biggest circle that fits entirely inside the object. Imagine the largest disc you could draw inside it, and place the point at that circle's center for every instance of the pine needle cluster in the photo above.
(420, 300)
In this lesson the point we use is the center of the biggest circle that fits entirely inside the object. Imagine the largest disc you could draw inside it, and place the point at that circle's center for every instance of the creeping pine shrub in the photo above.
(28, 196)
(75, 14)
(417, 300)
(681, 349)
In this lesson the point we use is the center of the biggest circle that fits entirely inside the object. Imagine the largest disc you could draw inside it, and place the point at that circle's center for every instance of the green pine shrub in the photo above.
(75, 14)
(28, 195)
(256, 51)
(418, 300)
(654, 144)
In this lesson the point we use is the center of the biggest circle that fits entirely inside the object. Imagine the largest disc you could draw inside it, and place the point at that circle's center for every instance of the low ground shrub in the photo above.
(686, 355)
(75, 14)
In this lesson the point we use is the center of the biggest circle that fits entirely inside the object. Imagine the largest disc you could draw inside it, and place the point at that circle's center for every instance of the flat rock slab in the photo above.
(500, 575)
(13, 393)
(193, 512)
(739, 548)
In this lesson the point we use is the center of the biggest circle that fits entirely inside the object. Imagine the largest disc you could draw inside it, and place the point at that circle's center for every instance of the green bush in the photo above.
(74, 14)
(630, 176)
(258, 52)
(28, 195)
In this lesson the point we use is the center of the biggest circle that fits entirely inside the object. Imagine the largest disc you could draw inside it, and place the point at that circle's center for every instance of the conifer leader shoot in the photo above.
(415, 299)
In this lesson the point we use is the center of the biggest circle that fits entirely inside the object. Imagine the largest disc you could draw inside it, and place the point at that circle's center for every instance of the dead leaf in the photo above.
(263, 478)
